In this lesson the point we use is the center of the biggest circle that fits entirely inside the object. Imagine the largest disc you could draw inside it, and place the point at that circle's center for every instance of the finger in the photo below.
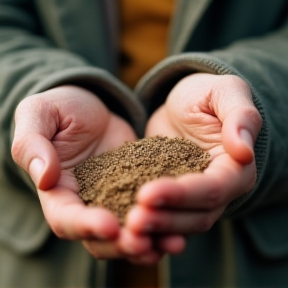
(126, 245)
(172, 193)
(102, 250)
(241, 121)
(143, 220)
(134, 244)
(71, 219)
(32, 149)
(37, 156)
(223, 180)
(240, 129)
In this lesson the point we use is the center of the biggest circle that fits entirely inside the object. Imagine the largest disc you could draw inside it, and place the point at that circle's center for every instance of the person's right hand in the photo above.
(216, 112)
(54, 131)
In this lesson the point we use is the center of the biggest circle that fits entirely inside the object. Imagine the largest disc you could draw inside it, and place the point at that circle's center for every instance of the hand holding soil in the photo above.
(112, 179)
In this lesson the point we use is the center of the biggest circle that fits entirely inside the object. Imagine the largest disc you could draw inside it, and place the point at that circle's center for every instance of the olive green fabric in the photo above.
(44, 44)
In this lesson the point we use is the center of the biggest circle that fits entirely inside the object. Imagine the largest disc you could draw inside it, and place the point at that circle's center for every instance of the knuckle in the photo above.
(236, 81)
(27, 104)
(16, 149)
(254, 116)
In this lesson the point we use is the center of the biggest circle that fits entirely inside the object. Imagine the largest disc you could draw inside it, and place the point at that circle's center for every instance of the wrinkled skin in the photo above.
(55, 131)
(62, 127)
(217, 114)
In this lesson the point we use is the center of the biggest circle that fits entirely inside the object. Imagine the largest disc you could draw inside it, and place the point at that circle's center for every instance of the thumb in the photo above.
(239, 132)
(32, 148)
(37, 156)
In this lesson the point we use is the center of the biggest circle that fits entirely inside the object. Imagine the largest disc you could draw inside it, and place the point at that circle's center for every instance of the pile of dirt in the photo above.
(111, 179)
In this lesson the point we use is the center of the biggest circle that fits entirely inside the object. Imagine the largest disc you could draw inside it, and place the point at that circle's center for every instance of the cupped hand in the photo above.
(54, 131)
(217, 114)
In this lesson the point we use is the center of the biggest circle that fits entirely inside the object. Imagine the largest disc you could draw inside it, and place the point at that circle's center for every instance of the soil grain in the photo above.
(112, 179)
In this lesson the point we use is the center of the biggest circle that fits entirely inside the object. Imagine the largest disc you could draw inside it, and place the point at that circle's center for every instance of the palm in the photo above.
(79, 138)
(196, 123)
(199, 123)
(209, 110)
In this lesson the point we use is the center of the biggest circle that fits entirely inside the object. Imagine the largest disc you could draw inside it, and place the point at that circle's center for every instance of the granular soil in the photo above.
(112, 179)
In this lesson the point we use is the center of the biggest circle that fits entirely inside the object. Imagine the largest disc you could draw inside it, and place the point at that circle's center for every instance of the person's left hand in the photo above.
(217, 114)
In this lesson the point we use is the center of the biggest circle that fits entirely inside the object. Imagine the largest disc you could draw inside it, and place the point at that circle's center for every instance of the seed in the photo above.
(122, 171)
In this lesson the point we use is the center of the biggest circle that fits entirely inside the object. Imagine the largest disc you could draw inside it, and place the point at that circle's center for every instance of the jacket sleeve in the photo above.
(29, 64)
(263, 63)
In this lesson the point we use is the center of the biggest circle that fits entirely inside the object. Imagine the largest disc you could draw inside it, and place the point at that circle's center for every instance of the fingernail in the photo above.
(36, 168)
(246, 136)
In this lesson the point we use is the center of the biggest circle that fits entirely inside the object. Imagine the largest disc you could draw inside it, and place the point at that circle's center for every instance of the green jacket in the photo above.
(46, 43)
